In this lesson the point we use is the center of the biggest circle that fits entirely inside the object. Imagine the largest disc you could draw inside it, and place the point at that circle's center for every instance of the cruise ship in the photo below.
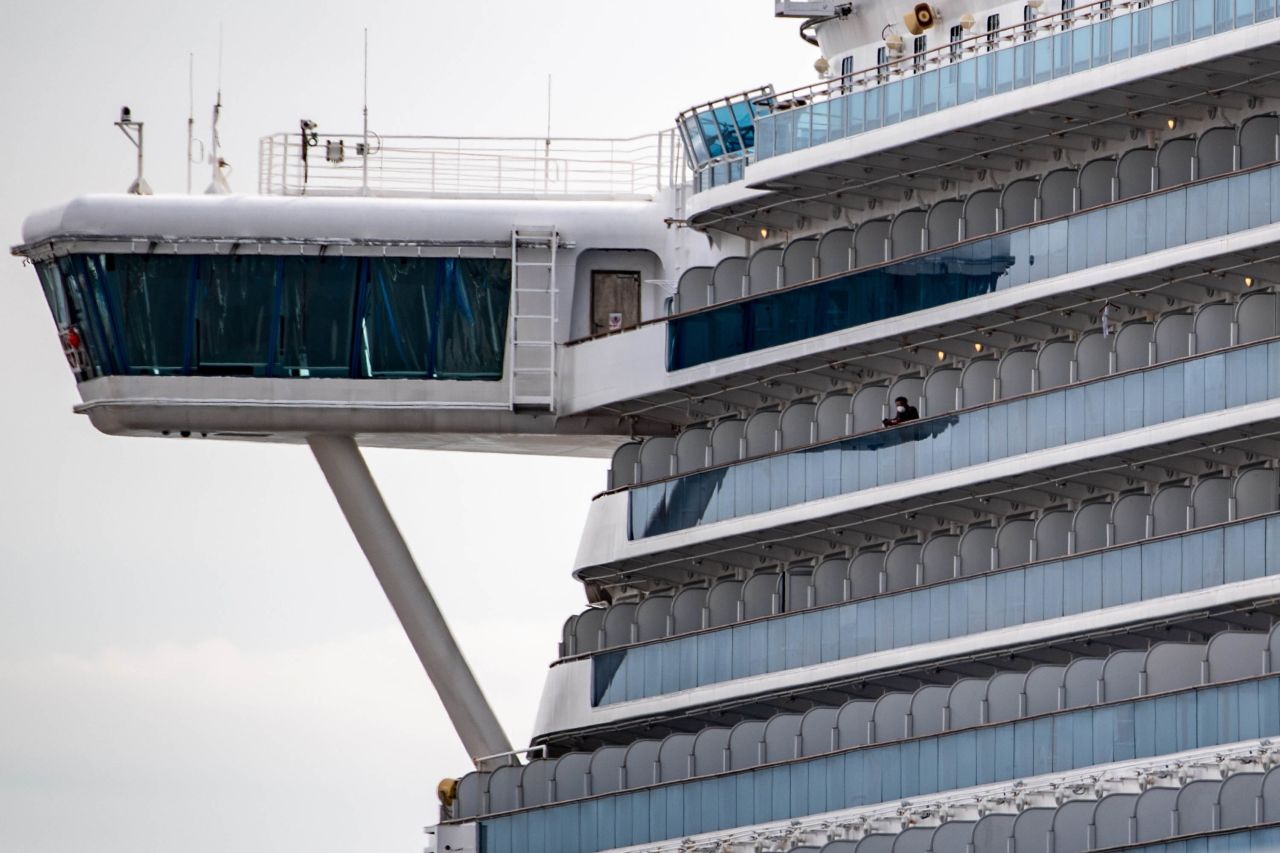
(942, 399)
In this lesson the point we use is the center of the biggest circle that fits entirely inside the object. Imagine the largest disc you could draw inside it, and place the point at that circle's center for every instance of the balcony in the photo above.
(1070, 243)
(980, 66)
(1058, 742)
(1102, 407)
(946, 610)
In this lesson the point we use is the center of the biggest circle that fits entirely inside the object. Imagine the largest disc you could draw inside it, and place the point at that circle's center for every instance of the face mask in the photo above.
(901, 409)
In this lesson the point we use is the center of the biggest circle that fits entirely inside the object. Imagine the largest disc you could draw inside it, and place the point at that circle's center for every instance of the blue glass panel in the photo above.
(1202, 18)
(1161, 25)
(1081, 49)
(966, 81)
(892, 101)
(1182, 20)
(1004, 70)
(929, 92)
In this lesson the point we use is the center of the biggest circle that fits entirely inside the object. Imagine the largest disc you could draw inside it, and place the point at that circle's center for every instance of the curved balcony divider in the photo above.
(837, 112)
(1182, 562)
(1077, 241)
(1057, 742)
(262, 315)
(1101, 407)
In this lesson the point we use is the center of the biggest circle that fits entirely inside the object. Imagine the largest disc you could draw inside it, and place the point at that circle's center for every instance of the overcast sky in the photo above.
(194, 654)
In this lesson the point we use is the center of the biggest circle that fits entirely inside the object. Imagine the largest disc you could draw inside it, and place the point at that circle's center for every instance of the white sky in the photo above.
(194, 654)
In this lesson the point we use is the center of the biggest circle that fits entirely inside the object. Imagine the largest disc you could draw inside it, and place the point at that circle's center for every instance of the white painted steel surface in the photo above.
(379, 537)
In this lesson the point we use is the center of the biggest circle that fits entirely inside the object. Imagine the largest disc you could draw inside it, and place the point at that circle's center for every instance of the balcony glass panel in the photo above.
(1010, 259)
(1054, 54)
(1051, 743)
(950, 442)
(1150, 569)
(264, 315)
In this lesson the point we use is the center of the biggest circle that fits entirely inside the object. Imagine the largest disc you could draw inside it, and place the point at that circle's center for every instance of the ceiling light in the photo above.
(1173, 122)
(1248, 281)
(941, 355)
(764, 233)
(977, 347)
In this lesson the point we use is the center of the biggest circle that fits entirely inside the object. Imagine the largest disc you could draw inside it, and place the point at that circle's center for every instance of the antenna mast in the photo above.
(219, 185)
(546, 143)
(191, 112)
(364, 148)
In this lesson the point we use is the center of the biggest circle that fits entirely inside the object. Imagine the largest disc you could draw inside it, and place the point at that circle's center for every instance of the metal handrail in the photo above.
(633, 167)
(1021, 31)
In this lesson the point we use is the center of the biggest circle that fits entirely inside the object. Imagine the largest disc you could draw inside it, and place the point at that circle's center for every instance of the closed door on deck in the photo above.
(615, 301)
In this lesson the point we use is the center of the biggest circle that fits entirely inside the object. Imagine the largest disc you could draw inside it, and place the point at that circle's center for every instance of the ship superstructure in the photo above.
(1041, 616)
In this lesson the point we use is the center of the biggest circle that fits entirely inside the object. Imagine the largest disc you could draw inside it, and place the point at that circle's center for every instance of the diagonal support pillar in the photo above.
(374, 528)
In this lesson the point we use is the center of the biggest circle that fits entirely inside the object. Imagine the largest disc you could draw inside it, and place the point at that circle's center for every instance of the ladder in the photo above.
(533, 316)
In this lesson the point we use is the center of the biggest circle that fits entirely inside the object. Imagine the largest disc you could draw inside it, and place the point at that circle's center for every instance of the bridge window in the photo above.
(262, 315)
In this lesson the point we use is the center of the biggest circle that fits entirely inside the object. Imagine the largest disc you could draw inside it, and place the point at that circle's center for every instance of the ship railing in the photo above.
(636, 168)
(983, 41)
(1021, 54)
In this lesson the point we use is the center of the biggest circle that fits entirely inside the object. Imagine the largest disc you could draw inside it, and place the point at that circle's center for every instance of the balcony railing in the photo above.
(469, 166)
(978, 66)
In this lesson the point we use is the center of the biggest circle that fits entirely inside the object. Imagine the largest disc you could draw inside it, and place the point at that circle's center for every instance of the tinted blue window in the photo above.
(262, 315)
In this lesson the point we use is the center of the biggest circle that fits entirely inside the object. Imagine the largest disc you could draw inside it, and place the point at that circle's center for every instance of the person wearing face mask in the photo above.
(905, 412)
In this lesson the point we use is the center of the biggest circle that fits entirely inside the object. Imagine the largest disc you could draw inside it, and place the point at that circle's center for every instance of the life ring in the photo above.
(73, 349)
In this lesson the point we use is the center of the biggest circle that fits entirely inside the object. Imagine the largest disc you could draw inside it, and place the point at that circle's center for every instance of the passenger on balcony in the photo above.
(906, 412)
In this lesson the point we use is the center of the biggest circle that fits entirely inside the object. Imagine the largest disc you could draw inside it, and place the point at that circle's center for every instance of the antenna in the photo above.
(364, 153)
(546, 144)
(191, 112)
(219, 185)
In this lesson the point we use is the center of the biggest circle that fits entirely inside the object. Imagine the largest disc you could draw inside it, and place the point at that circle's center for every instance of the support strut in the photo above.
(374, 528)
